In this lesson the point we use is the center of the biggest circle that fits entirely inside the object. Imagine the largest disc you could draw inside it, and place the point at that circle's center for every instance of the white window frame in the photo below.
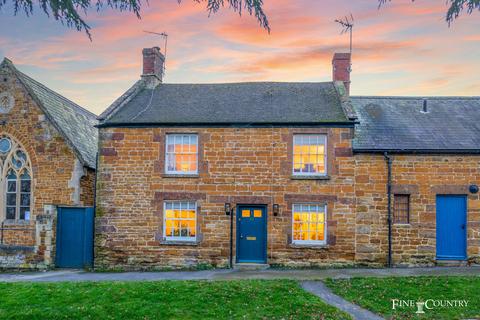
(179, 238)
(325, 156)
(325, 226)
(167, 153)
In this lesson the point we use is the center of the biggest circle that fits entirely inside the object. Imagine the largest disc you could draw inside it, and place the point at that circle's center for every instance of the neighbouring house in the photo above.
(48, 147)
(296, 174)
(434, 149)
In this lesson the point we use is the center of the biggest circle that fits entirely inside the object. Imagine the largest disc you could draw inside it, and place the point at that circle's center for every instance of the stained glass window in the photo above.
(181, 154)
(17, 182)
(309, 223)
(309, 154)
(180, 221)
(5, 145)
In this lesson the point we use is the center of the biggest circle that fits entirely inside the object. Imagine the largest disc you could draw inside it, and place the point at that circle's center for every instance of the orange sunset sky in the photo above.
(404, 48)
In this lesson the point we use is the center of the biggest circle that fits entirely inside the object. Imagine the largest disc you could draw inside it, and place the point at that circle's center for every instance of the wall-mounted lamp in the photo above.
(228, 209)
(473, 188)
(276, 209)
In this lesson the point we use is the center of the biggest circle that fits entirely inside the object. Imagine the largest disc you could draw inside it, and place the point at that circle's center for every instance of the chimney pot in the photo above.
(153, 64)
(342, 65)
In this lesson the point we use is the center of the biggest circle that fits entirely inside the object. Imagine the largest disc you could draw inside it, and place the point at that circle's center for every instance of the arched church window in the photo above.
(16, 181)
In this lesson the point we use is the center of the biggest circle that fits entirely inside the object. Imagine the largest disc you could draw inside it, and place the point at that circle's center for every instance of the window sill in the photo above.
(300, 177)
(180, 243)
(5, 248)
(16, 222)
(402, 225)
(177, 175)
(308, 246)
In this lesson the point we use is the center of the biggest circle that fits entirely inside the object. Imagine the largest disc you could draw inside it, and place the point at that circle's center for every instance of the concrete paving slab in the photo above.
(319, 289)
(228, 274)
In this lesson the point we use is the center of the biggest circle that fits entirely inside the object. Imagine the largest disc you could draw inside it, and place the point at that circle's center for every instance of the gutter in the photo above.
(388, 160)
(342, 124)
(418, 151)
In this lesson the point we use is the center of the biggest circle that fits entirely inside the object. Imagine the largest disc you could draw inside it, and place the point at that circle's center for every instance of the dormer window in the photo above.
(309, 155)
(181, 155)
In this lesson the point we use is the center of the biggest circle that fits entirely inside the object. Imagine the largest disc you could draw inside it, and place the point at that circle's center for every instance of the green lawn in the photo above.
(247, 299)
(376, 294)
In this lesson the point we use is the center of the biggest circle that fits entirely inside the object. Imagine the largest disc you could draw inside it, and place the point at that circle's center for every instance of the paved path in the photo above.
(227, 274)
(319, 289)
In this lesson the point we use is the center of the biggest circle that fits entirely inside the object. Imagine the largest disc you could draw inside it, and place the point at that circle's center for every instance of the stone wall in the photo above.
(253, 166)
(236, 165)
(422, 177)
(87, 183)
(53, 163)
(33, 246)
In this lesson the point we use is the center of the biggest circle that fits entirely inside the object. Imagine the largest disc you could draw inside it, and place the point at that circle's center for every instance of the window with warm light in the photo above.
(181, 154)
(309, 155)
(309, 224)
(180, 221)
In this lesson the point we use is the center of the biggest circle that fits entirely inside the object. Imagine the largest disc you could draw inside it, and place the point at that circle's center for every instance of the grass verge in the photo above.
(378, 294)
(243, 299)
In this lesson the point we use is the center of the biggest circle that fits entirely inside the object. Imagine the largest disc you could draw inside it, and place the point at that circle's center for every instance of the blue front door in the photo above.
(74, 237)
(451, 227)
(252, 234)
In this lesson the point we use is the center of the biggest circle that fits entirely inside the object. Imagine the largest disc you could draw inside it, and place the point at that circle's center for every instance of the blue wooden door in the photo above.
(74, 247)
(251, 234)
(451, 227)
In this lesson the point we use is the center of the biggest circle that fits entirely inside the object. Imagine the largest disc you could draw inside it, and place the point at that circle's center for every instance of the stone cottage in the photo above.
(432, 146)
(295, 174)
(47, 158)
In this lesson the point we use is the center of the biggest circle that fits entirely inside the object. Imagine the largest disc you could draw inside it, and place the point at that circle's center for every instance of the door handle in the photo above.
(463, 226)
(241, 236)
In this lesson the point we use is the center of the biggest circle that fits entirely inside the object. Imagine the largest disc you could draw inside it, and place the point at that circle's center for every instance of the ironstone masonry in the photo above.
(245, 135)
(42, 123)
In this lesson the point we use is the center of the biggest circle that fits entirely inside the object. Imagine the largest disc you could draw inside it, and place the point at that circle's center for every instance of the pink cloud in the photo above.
(399, 48)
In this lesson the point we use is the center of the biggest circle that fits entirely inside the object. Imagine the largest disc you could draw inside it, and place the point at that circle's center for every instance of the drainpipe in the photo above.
(97, 160)
(388, 160)
(231, 238)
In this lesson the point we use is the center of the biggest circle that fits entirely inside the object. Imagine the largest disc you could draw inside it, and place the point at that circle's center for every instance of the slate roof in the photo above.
(228, 103)
(398, 124)
(74, 123)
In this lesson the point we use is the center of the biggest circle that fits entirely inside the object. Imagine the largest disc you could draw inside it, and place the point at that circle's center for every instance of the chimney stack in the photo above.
(341, 69)
(153, 65)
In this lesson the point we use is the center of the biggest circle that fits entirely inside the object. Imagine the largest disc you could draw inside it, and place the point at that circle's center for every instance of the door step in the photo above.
(250, 266)
(452, 263)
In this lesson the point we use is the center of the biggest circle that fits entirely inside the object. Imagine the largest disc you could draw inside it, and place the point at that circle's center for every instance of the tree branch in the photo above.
(456, 7)
(67, 12)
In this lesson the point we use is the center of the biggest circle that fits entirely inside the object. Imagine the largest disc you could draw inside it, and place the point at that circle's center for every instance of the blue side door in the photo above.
(251, 234)
(451, 227)
(74, 247)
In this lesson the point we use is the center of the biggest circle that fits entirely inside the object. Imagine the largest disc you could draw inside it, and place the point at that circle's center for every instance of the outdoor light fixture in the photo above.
(276, 209)
(473, 188)
(228, 208)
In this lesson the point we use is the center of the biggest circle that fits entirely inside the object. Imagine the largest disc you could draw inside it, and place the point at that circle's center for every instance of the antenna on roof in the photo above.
(347, 26)
(425, 106)
(164, 35)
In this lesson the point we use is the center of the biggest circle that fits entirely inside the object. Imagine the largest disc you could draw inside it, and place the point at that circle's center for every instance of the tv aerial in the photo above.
(164, 36)
(347, 26)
